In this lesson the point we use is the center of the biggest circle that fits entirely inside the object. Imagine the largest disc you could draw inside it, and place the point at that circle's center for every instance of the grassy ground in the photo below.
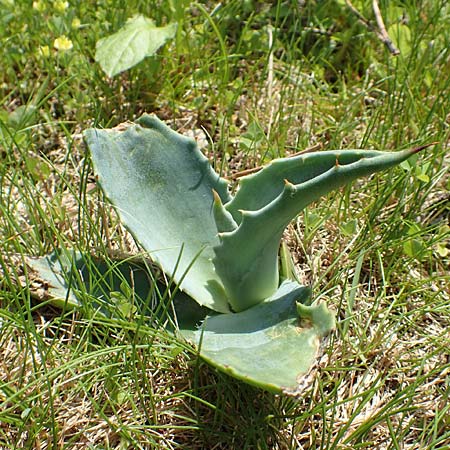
(259, 80)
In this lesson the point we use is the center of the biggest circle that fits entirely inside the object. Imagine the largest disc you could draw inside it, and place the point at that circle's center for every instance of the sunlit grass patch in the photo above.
(379, 257)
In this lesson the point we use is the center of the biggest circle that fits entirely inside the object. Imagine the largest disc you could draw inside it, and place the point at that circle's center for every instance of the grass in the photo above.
(377, 252)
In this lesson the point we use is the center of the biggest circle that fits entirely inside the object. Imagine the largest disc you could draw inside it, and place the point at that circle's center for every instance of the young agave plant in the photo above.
(221, 250)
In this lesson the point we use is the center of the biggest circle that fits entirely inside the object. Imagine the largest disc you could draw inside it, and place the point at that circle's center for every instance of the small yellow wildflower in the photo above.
(60, 6)
(63, 43)
(76, 23)
(44, 51)
(39, 6)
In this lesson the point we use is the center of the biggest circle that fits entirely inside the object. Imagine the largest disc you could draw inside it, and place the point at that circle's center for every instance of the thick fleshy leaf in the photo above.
(242, 345)
(64, 278)
(267, 202)
(162, 187)
(138, 39)
(53, 270)
(172, 201)
(269, 345)
(259, 189)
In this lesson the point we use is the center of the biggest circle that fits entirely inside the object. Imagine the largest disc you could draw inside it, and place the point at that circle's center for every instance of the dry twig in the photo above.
(380, 32)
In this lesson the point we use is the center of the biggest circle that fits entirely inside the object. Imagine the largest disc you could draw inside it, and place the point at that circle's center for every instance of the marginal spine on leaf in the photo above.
(244, 213)
(224, 220)
(289, 187)
(288, 184)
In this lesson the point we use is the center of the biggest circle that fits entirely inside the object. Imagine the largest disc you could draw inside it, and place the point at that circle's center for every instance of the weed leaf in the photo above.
(138, 39)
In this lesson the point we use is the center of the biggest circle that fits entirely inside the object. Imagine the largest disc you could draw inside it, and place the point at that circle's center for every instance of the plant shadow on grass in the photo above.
(232, 414)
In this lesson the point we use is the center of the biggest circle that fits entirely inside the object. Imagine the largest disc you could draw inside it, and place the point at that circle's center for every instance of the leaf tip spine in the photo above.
(423, 147)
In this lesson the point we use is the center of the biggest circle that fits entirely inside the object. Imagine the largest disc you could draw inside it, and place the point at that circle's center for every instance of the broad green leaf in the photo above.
(162, 187)
(271, 345)
(441, 249)
(246, 259)
(242, 345)
(138, 39)
(350, 227)
(414, 248)
(22, 117)
(221, 250)
(401, 36)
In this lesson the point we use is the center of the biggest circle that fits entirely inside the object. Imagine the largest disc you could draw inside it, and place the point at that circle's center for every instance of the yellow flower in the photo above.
(76, 23)
(63, 43)
(61, 6)
(44, 51)
(39, 6)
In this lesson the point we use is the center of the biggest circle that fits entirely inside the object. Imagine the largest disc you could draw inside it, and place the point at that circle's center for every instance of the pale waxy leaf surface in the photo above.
(68, 276)
(268, 345)
(271, 346)
(265, 204)
(162, 187)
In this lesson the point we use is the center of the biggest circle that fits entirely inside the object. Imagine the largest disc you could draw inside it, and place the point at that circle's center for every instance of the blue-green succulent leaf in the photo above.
(240, 344)
(269, 345)
(259, 189)
(162, 187)
(69, 277)
(55, 271)
(247, 257)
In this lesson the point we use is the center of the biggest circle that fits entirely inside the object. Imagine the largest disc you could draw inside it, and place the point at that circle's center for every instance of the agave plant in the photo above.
(222, 250)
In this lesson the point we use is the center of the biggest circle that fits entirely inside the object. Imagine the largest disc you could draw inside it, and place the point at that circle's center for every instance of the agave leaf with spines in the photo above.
(221, 251)
(266, 203)
(162, 187)
(239, 344)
